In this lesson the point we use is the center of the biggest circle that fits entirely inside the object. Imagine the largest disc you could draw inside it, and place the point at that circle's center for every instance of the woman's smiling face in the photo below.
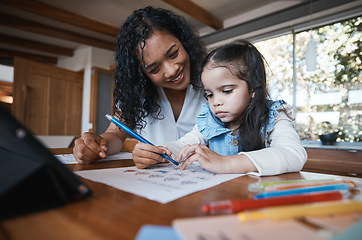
(165, 61)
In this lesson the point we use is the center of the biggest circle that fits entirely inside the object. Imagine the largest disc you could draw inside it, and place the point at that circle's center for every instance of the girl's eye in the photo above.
(174, 54)
(207, 95)
(227, 91)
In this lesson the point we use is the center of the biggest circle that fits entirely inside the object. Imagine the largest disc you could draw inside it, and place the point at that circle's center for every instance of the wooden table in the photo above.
(113, 214)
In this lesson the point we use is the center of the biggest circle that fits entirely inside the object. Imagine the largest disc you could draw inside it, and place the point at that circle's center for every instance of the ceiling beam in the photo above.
(33, 45)
(46, 10)
(30, 26)
(197, 12)
(10, 54)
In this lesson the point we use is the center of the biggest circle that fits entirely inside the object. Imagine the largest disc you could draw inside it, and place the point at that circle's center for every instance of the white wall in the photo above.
(6, 73)
(102, 58)
(86, 57)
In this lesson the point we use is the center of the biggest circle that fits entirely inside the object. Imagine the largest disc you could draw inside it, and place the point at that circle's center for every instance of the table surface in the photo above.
(114, 214)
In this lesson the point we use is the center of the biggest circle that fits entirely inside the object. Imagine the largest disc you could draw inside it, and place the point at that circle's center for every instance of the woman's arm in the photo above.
(115, 138)
(91, 147)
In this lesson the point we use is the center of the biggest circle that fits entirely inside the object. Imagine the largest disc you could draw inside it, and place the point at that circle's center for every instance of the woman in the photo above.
(157, 90)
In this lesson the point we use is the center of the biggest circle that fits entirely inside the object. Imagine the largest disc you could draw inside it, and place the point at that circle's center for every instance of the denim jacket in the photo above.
(220, 139)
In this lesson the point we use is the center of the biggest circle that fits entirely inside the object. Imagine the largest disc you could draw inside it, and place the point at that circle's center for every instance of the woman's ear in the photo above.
(252, 93)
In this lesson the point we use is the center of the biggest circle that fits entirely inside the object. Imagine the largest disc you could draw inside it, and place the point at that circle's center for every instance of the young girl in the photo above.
(157, 88)
(245, 132)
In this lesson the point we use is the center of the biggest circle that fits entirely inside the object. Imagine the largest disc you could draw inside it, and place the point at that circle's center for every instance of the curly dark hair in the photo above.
(135, 95)
(246, 63)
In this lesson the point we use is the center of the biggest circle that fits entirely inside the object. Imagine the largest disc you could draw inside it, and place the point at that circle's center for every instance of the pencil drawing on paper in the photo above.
(163, 182)
(169, 173)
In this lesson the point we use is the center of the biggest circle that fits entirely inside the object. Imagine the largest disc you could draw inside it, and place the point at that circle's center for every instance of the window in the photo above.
(329, 98)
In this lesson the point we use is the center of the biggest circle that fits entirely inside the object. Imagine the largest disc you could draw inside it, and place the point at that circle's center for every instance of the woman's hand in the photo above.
(208, 159)
(89, 148)
(145, 155)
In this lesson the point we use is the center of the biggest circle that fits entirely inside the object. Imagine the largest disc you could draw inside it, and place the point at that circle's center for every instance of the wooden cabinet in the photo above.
(340, 162)
(47, 99)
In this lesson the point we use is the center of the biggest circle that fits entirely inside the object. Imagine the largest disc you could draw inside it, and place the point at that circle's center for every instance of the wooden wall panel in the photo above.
(47, 99)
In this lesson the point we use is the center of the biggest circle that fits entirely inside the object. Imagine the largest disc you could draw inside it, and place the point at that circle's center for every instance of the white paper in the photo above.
(162, 182)
(70, 159)
(229, 227)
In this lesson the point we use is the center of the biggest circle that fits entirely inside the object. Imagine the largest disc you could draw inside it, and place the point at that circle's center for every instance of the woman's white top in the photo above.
(167, 129)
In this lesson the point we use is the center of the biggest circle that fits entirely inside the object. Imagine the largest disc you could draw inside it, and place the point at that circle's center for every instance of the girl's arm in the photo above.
(193, 137)
(283, 153)
(215, 162)
(145, 155)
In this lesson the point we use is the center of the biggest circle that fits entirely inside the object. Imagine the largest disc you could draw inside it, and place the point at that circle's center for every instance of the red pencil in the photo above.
(234, 206)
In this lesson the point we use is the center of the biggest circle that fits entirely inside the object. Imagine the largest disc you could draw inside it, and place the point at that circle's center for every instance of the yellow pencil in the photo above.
(302, 210)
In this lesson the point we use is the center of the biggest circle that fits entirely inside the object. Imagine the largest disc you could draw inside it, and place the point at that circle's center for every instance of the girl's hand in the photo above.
(89, 148)
(145, 155)
(208, 159)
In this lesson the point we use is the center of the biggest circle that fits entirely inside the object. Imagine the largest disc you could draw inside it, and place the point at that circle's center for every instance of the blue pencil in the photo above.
(136, 136)
(305, 190)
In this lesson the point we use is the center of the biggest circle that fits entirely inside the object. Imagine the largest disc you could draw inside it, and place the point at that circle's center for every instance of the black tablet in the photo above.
(31, 178)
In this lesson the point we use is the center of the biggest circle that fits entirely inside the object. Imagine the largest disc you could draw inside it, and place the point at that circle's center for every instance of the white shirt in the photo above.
(167, 129)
